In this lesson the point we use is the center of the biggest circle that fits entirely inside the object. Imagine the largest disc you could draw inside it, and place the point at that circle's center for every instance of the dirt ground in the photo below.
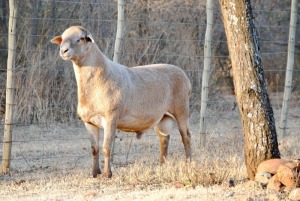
(53, 161)
(80, 186)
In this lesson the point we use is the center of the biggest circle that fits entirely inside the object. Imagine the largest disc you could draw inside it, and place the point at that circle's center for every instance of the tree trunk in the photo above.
(250, 88)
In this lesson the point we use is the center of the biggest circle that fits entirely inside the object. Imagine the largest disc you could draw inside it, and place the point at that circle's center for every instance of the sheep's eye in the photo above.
(80, 40)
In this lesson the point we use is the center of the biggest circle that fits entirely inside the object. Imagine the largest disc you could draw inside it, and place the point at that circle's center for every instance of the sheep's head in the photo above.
(74, 43)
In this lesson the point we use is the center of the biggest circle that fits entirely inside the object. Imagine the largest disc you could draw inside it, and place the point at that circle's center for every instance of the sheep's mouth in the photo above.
(66, 56)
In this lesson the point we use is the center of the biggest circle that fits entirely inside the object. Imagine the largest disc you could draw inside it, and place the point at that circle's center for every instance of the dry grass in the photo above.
(206, 172)
(47, 184)
(51, 176)
(143, 180)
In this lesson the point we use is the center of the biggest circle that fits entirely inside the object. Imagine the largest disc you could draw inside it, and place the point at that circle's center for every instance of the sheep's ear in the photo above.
(88, 35)
(89, 38)
(56, 40)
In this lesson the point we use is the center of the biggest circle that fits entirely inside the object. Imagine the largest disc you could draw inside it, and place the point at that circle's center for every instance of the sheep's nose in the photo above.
(64, 49)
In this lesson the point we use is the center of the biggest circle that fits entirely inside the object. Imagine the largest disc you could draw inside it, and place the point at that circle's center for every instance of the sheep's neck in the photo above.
(93, 58)
(89, 73)
(93, 61)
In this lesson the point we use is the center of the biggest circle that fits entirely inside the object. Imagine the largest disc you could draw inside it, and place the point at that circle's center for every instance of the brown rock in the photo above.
(271, 166)
(295, 194)
(286, 175)
(294, 165)
(274, 184)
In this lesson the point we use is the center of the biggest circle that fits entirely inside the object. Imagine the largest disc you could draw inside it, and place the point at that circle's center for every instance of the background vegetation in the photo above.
(164, 31)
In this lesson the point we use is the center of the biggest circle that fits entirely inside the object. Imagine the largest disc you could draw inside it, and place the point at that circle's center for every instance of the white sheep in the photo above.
(112, 96)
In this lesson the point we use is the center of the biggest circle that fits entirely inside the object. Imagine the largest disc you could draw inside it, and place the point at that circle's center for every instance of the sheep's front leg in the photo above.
(109, 135)
(94, 137)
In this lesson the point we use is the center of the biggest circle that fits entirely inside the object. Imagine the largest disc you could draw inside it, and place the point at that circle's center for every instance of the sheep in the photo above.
(112, 96)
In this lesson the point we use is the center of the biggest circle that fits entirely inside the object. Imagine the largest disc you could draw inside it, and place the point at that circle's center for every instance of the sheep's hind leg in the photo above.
(163, 130)
(94, 137)
(183, 126)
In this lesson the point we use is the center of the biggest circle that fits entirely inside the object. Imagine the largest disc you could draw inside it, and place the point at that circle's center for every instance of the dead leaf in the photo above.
(178, 184)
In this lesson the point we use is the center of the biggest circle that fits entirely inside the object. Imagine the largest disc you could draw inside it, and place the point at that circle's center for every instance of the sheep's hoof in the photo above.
(95, 173)
(139, 135)
(107, 174)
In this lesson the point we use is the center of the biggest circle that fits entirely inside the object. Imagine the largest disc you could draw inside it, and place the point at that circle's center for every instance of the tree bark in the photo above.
(260, 138)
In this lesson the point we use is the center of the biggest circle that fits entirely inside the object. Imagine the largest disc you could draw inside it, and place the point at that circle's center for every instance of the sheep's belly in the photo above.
(137, 125)
(129, 123)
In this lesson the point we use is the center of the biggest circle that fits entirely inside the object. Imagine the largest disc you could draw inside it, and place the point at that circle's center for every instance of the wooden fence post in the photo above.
(9, 88)
(206, 71)
(289, 69)
(120, 31)
(117, 50)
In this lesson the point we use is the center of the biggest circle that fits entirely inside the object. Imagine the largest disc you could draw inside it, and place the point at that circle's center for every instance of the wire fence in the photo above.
(47, 132)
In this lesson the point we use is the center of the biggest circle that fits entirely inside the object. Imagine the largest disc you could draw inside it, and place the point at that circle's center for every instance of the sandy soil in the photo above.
(52, 162)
